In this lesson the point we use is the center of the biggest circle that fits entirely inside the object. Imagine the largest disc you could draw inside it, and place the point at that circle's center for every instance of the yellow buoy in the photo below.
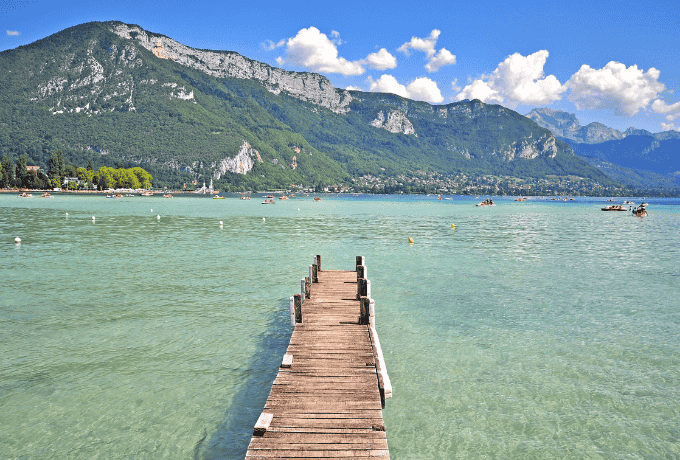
(453, 226)
(410, 240)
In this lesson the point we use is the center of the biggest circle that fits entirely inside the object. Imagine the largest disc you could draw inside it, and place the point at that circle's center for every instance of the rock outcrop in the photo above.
(395, 122)
(240, 164)
(309, 87)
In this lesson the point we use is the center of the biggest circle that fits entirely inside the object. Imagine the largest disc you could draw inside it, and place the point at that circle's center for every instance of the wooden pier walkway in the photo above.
(328, 396)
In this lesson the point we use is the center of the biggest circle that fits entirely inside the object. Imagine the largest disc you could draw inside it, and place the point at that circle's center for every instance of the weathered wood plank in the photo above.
(325, 401)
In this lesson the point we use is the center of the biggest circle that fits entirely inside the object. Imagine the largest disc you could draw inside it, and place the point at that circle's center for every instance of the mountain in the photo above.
(115, 94)
(566, 125)
(636, 157)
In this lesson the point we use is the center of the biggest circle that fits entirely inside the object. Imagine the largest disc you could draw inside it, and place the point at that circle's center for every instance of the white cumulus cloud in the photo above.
(12, 32)
(382, 60)
(313, 50)
(624, 90)
(435, 60)
(672, 110)
(420, 89)
(443, 57)
(669, 127)
(426, 45)
(517, 80)
(353, 88)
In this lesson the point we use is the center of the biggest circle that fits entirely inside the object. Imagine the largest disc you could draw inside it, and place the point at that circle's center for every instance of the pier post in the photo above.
(365, 305)
(297, 299)
(362, 286)
(318, 262)
(315, 273)
(361, 272)
(303, 289)
(308, 286)
(292, 311)
(361, 260)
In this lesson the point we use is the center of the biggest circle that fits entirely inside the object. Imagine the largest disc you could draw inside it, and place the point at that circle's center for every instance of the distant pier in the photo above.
(328, 396)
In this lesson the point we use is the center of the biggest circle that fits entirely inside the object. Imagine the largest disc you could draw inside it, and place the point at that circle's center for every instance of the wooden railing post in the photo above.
(365, 304)
(360, 260)
(315, 273)
(361, 288)
(361, 272)
(308, 287)
(318, 262)
(297, 299)
(303, 289)
(292, 311)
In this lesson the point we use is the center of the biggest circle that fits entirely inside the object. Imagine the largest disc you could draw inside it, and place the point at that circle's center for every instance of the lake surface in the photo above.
(532, 330)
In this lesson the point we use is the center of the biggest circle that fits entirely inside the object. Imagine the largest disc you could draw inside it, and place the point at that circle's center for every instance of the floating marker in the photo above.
(152, 210)
(17, 240)
(67, 214)
(453, 226)
(93, 219)
(298, 209)
(410, 240)
(263, 219)
(221, 223)
(158, 217)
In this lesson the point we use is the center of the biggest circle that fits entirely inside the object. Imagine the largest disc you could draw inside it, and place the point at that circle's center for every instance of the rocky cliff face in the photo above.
(240, 164)
(309, 87)
(395, 122)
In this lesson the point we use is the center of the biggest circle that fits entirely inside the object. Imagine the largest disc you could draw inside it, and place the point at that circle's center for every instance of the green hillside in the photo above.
(103, 99)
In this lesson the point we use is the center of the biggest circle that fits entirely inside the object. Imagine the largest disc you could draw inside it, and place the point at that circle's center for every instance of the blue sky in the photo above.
(613, 62)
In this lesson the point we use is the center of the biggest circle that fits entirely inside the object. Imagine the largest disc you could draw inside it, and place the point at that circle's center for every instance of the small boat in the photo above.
(283, 197)
(147, 193)
(640, 211)
(520, 199)
(245, 197)
(614, 207)
(268, 201)
(628, 202)
(316, 198)
(218, 197)
(46, 195)
(169, 195)
(25, 195)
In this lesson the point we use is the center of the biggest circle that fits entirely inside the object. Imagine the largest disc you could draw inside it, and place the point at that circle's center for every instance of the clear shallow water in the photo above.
(532, 330)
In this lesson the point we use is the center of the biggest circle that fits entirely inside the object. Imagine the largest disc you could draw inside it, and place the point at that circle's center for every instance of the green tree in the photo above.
(8, 169)
(22, 178)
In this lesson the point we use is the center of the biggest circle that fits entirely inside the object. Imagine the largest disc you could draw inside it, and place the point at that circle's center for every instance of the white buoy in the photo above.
(17, 240)
(67, 214)
(158, 217)
(93, 219)
(298, 209)
(263, 219)
(221, 223)
(152, 210)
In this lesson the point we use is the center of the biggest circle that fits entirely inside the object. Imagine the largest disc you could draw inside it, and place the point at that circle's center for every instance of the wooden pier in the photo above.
(327, 399)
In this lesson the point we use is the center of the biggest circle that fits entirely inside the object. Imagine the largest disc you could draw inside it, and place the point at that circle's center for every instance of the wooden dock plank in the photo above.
(327, 404)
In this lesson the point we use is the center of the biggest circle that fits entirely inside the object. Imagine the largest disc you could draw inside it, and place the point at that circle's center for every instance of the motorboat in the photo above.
(614, 207)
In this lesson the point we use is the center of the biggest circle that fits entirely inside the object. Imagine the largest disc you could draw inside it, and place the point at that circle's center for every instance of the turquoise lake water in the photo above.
(532, 330)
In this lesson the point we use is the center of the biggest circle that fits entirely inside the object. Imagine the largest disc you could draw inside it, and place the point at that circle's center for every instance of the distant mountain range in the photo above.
(115, 94)
(635, 157)
(567, 126)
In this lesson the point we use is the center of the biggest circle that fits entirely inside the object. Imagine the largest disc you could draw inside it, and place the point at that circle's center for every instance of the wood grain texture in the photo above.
(327, 404)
